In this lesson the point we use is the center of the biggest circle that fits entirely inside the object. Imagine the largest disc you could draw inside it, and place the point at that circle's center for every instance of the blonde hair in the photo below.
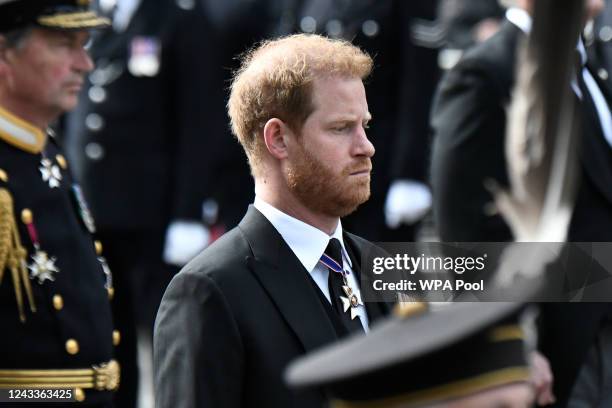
(275, 81)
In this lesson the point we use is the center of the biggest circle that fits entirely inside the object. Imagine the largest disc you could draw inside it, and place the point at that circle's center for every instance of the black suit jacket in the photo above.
(469, 121)
(235, 316)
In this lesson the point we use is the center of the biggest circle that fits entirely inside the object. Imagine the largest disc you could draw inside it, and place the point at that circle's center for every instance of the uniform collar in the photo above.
(307, 242)
(20, 133)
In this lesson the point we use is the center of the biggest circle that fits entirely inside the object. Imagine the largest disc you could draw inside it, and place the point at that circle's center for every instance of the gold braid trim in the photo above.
(13, 254)
(105, 376)
(439, 393)
(83, 19)
(507, 333)
(5, 229)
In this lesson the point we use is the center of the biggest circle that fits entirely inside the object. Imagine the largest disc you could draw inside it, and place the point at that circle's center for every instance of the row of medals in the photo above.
(43, 267)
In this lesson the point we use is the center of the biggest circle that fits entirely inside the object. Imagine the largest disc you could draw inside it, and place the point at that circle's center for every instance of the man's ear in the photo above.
(275, 137)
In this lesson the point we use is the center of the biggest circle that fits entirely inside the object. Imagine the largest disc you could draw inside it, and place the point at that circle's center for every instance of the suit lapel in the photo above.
(286, 281)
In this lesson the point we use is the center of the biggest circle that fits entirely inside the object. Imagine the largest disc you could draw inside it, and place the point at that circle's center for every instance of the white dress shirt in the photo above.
(523, 20)
(308, 244)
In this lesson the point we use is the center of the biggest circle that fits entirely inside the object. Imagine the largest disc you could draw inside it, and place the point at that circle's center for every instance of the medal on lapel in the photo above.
(351, 301)
(107, 272)
(50, 172)
(42, 266)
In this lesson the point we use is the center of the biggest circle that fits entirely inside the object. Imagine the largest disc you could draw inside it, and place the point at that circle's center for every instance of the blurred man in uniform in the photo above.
(469, 121)
(143, 141)
(285, 281)
(235, 25)
(467, 355)
(54, 284)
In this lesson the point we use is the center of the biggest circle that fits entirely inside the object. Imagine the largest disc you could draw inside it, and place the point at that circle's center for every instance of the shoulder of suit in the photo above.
(224, 257)
(357, 239)
(362, 244)
(489, 65)
(496, 55)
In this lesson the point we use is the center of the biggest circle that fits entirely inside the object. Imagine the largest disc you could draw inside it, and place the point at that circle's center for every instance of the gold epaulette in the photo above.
(13, 254)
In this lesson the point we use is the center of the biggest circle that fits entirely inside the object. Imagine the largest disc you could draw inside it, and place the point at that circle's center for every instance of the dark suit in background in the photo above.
(462, 17)
(469, 121)
(251, 308)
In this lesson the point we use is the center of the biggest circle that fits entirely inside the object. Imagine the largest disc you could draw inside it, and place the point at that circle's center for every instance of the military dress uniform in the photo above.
(54, 284)
(55, 318)
(142, 143)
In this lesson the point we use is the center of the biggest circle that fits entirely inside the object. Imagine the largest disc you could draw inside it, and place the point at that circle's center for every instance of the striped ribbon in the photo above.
(332, 264)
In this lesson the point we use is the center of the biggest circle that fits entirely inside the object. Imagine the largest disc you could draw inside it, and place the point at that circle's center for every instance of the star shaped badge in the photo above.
(50, 173)
(42, 267)
(351, 301)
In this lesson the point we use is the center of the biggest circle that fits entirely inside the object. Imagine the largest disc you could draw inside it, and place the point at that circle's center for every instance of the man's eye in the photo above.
(340, 128)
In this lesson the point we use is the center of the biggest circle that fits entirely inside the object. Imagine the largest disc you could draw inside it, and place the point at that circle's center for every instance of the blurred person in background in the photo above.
(467, 23)
(143, 143)
(236, 25)
(469, 121)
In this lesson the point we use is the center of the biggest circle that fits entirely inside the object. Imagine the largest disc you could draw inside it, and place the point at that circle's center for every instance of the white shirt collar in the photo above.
(307, 242)
(519, 18)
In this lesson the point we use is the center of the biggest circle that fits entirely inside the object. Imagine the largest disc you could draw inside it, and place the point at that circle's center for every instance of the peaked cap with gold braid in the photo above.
(407, 361)
(53, 14)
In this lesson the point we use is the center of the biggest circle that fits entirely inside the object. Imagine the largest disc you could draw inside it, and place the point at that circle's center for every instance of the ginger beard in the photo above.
(322, 190)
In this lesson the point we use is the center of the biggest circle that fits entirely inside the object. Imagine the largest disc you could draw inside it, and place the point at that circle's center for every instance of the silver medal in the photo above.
(50, 173)
(42, 267)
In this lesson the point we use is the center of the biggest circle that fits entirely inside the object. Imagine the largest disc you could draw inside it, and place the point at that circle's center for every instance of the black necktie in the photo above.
(335, 283)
